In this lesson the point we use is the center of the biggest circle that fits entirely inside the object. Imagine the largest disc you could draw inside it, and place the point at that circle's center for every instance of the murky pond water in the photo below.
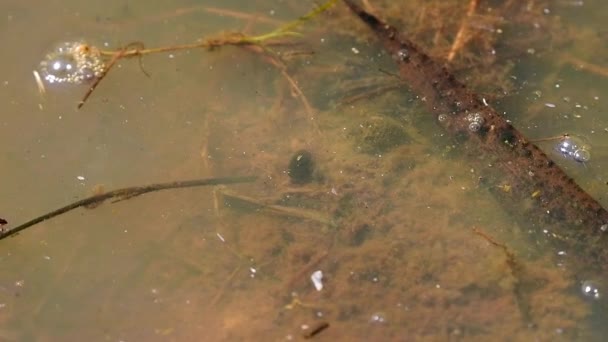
(356, 182)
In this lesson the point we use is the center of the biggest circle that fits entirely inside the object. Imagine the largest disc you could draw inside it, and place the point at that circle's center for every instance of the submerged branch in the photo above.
(540, 191)
(124, 194)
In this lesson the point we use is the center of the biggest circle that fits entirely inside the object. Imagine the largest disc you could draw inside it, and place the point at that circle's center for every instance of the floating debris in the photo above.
(39, 83)
(315, 330)
(317, 279)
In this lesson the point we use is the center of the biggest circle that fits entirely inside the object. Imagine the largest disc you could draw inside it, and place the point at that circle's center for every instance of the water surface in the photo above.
(399, 256)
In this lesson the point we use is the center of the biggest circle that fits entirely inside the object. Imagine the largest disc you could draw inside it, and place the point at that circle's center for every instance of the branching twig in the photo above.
(109, 66)
(235, 39)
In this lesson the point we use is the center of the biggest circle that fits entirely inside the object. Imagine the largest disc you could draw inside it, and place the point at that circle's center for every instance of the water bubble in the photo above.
(590, 289)
(377, 318)
(402, 55)
(474, 126)
(574, 148)
(475, 121)
(72, 62)
(582, 155)
(442, 117)
(565, 146)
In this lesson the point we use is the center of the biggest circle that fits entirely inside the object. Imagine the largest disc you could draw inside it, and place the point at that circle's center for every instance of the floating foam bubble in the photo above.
(72, 62)
(575, 149)
(590, 289)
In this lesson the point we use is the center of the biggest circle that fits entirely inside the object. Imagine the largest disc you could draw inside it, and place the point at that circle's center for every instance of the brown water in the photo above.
(400, 259)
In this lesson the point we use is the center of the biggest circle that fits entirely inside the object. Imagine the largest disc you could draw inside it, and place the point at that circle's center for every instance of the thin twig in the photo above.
(593, 68)
(113, 61)
(461, 37)
(369, 93)
(517, 272)
(368, 7)
(235, 38)
(284, 211)
(123, 194)
(220, 293)
(558, 137)
(295, 89)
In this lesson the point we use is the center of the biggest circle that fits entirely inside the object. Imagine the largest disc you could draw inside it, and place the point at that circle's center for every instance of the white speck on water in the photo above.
(219, 236)
(355, 50)
(317, 279)
(80, 178)
(377, 317)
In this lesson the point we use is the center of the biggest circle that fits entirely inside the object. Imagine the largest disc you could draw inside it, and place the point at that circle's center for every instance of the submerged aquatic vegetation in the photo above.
(377, 135)
(400, 258)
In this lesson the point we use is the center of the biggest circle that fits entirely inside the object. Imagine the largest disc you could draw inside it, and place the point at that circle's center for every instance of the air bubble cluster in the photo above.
(378, 318)
(402, 55)
(72, 62)
(574, 149)
(475, 121)
(590, 289)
